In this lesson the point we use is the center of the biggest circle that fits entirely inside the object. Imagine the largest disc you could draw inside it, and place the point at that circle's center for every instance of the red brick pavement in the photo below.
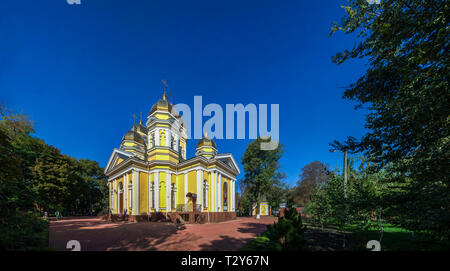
(96, 234)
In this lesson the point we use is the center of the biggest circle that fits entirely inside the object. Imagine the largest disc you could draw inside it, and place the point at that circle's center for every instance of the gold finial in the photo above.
(140, 122)
(164, 87)
(134, 119)
(206, 134)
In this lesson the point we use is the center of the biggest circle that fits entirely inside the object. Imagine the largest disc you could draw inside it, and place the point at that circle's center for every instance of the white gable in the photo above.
(116, 154)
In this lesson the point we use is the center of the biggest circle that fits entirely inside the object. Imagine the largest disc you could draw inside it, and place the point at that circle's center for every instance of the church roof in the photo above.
(133, 136)
(162, 104)
(206, 141)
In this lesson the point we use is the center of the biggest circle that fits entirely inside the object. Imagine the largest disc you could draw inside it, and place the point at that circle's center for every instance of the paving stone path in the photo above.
(96, 234)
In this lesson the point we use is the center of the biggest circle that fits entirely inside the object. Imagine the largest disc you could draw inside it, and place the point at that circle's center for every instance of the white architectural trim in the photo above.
(113, 158)
(229, 155)
(185, 188)
(198, 183)
(136, 193)
(168, 192)
(156, 190)
(156, 137)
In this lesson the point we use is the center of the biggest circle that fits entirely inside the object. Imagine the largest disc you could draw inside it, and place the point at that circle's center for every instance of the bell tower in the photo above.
(167, 137)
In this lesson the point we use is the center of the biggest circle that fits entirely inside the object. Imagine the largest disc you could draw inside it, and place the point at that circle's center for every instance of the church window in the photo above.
(152, 140)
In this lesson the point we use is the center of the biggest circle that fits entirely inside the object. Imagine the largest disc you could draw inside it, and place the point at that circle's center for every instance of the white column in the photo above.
(116, 197)
(216, 191)
(156, 191)
(213, 191)
(185, 188)
(210, 191)
(176, 143)
(148, 193)
(207, 192)
(136, 192)
(220, 192)
(176, 192)
(126, 193)
(168, 192)
(233, 196)
(109, 195)
(168, 138)
(199, 189)
(156, 137)
(230, 203)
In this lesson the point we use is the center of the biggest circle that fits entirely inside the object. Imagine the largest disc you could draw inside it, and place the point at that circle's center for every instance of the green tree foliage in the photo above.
(313, 175)
(261, 169)
(284, 235)
(406, 88)
(362, 203)
(36, 178)
(278, 192)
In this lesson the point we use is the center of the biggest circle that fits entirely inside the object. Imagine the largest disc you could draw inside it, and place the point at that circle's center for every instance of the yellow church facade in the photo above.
(150, 174)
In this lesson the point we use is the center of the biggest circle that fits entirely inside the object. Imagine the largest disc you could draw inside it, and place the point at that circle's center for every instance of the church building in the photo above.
(149, 175)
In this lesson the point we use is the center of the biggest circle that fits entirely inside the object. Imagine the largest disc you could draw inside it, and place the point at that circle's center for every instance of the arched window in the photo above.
(152, 140)
(173, 195)
(225, 196)
(205, 194)
(162, 138)
(180, 150)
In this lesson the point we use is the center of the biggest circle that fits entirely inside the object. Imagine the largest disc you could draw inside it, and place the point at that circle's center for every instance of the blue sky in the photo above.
(81, 71)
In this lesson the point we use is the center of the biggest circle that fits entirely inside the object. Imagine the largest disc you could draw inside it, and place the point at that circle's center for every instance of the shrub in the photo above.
(24, 231)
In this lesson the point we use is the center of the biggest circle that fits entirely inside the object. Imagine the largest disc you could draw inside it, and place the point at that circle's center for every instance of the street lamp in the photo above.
(345, 169)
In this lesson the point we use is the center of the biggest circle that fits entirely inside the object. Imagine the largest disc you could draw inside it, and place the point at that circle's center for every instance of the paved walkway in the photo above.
(96, 234)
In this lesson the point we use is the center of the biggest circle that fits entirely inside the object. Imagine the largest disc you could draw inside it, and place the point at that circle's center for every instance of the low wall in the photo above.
(186, 217)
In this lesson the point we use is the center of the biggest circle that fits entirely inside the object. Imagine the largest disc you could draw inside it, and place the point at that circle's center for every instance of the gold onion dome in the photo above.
(134, 136)
(162, 104)
(206, 141)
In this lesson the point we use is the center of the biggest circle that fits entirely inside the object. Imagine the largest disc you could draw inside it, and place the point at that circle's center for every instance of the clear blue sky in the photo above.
(81, 71)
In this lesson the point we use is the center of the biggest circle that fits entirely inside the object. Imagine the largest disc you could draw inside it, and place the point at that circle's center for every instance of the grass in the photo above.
(397, 239)
(394, 239)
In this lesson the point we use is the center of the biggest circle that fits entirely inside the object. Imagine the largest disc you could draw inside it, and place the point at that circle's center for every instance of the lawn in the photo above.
(397, 239)
(331, 239)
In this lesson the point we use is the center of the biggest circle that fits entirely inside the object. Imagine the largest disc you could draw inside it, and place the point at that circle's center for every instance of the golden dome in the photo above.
(133, 136)
(162, 105)
(206, 141)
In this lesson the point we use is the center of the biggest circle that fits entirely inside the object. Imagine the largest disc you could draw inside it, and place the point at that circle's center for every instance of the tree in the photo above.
(20, 228)
(313, 174)
(406, 88)
(261, 169)
(277, 193)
